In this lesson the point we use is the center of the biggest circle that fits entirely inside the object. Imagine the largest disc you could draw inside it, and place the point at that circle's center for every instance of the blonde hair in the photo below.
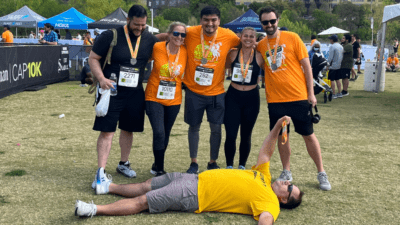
(172, 26)
(248, 28)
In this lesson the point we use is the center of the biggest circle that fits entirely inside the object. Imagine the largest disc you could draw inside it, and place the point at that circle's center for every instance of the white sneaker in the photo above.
(106, 177)
(286, 175)
(103, 182)
(126, 170)
(83, 85)
(85, 209)
(323, 181)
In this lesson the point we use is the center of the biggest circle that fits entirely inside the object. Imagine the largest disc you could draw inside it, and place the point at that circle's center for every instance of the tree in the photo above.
(97, 9)
(177, 14)
(286, 20)
(351, 16)
(229, 12)
(323, 20)
(161, 23)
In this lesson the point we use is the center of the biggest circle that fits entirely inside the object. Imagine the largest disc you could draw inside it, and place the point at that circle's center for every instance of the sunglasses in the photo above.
(266, 22)
(290, 189)
(176, 34)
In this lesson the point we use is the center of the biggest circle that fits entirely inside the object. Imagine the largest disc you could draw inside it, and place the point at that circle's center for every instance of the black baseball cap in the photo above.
(8, 26)
(334, 38)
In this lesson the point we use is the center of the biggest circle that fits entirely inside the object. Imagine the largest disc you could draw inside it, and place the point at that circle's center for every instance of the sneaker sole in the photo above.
(193, 173)
(122, 173)
(153, 172)
(99, 190)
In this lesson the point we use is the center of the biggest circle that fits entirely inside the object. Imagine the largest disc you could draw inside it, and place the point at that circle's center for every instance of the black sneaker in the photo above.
(228, 78)
(345, 93)
(263, 86)
(211, 166)
(359, 72)
(356, 77)
(351, 79)
(193, 169)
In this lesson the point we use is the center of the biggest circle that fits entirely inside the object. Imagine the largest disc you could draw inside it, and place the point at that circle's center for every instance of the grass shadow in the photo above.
(16, 173)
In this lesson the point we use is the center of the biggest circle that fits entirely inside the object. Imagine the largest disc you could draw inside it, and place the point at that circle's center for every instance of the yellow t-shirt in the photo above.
(390, 61)
(238, 191)
(288, 82)
(225, 40)
(160, 69)
(8, 36)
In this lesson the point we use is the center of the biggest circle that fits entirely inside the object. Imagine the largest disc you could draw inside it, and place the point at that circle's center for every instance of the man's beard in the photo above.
(46, 32)
(269, 32)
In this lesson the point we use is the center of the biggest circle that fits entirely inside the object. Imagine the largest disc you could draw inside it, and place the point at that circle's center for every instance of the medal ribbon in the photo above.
(246, 69)
(133, 54)
(276, 47)
(171, 67)
(205, 54)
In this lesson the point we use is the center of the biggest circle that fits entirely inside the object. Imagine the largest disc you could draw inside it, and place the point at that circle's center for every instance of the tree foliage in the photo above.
(177, 14)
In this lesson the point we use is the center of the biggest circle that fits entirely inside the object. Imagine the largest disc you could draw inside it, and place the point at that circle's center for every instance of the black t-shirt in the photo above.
(356, 46)
(121, 55)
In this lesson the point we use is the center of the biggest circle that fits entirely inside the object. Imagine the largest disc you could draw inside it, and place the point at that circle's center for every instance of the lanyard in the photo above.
(133, 54)
(171, 67)
(205, 53)
(244, 71)
(276, 47)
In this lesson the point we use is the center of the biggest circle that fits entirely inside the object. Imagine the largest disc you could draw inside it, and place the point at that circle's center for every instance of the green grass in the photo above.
(359, 137)
(16, 173)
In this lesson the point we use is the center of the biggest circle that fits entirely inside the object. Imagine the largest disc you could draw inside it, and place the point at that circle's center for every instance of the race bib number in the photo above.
(203, 76)
(128, 77)
(166, 89)
(237, 73)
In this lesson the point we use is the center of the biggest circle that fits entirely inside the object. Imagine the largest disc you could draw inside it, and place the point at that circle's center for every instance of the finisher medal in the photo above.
(274, 66)
(133, 61)
(204, 61)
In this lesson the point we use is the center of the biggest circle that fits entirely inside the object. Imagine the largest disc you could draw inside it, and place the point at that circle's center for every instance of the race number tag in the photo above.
(284, 132)
(128, 77)
(237, 74)
(203, 76)
(166, 89)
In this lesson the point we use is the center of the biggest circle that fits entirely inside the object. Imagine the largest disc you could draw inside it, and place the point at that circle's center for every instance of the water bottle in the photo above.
(114, 79)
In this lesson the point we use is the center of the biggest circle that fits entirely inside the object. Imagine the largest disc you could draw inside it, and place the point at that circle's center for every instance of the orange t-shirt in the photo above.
(225, 40)
(160, 69)
(86, 42)
(8, 36)
(390, 61)
(312, 41)
(288, 82)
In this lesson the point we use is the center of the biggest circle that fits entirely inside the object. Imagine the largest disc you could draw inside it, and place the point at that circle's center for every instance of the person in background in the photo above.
(40, 35)
(97, 33)
(88, 39)
(86, 76)
(68, 35)
(315, 47)
(356, 55)
(58, 34)
(347, 62)
(50, 37)
(358, 63)
(242, 100)
(32, 35)
(392, 63)
(395, 46)
(164, 90)
(7, 36)
(335, 60)
(313, 38)
(79, 37)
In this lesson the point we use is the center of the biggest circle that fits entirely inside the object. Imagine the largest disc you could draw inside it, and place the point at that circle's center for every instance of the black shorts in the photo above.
(299, 112)
(195, 105)
(346, 73)
(128, 108)
(334, 75)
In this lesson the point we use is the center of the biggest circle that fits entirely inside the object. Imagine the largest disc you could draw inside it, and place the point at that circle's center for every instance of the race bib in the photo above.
(203, 76)
(237, 73)
(128, 77)
(166, 89)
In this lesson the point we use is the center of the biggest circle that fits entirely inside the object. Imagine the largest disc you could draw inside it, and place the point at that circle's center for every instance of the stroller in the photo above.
(318, 63)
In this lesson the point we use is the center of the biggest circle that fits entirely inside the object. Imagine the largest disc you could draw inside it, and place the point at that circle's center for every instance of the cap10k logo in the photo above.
(18, 71)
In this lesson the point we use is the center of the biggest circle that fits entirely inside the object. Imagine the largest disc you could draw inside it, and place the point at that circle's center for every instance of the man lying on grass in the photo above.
(224, 190)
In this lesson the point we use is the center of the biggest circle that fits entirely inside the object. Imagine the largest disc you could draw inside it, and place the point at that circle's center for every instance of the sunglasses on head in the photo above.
(266, 22)
(176, 34)
(290, 189)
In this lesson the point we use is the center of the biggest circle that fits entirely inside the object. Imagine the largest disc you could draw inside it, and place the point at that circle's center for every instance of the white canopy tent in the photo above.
(333, 30)
(153, 29)
(390, 12)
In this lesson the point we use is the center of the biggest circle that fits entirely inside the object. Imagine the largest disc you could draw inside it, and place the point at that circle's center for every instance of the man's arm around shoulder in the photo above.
(265, 219)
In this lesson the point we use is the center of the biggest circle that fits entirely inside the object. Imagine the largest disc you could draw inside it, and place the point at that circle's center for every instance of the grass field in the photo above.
(57, 159)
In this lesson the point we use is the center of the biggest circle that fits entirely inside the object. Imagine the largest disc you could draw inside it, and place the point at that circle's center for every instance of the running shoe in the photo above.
(107, 176)
(339, 95)
(212, 166)
(194, 168)
(153, 169)
(345, 93)
(85, 209)
(126, 170)
(241, 167)
(229, 167)
(334, 96)
(286, 175)
(103, 182)
(323, 181)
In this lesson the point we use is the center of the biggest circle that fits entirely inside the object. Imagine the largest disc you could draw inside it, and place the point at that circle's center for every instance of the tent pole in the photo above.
(380, 60)
(16, 32)
(152, 20)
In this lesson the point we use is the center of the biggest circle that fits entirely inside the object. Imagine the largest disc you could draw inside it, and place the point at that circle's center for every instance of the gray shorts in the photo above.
(175, 192)
(195, 105)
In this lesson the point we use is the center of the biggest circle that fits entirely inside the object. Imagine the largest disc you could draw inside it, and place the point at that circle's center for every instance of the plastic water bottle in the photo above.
(114, 90)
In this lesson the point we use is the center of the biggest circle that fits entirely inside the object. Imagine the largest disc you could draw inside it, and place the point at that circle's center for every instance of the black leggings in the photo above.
(162, 118)
(241, 109)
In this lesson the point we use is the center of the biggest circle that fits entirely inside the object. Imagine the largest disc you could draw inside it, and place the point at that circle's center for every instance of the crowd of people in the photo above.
(193, 59)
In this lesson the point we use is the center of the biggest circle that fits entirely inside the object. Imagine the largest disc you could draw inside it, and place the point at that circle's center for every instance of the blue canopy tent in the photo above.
(248, 19)
(70, 19)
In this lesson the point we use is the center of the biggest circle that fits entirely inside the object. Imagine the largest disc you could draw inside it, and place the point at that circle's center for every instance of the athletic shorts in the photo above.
(175, 192)
(127, 108)
(357, 62)
(346, 73)
(195, 105)
(299, 112)
(334, 75)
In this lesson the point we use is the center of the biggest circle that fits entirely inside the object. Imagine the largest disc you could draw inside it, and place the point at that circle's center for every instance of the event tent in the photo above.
(333, 30)
(23, 17)
(248, 19)
(70, 19)
(113, 20)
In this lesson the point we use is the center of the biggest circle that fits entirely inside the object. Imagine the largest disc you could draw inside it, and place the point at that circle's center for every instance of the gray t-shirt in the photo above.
(335, 56)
